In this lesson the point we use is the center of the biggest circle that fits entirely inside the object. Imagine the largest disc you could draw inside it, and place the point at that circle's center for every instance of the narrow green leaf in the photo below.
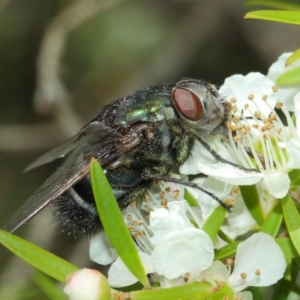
(227, 251)
(114, 225)
(292, 220)
(214, 222)
(295, 183)
(289, 77)
(282, 4)
(190, 198)
(194, 291)
(292, 58)
(273, 221)
(294, 177)
(251, 199)
(37, 257)
(291, 17)
(225, 237)
(48, 287)
(287, 247)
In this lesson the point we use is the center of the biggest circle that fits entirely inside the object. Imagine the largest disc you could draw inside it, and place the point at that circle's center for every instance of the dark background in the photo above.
(61, 61)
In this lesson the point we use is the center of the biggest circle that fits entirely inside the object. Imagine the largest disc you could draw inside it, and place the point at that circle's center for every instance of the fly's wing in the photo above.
(66, 176)
(53, 154)
(105, 145)
(65, 148)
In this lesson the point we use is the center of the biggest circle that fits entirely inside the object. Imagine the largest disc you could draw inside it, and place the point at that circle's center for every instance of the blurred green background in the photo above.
(61, 61)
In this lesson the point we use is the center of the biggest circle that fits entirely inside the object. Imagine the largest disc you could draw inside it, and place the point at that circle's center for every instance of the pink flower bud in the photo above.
(87, 284)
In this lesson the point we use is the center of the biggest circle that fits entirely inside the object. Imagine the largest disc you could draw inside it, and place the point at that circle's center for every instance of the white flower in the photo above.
(286, 93)
(87, 284)
(175, 250)
(268, 141)
(258, 138)
(170, 245)
(259, 262)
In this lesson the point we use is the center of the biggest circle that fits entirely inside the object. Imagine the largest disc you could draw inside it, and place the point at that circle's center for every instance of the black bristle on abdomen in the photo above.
(74, 219)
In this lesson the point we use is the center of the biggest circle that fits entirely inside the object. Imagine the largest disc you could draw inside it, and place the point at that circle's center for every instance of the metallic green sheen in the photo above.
(150, 110)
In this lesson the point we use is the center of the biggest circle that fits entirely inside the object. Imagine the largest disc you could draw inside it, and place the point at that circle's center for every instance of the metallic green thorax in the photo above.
(149, 111)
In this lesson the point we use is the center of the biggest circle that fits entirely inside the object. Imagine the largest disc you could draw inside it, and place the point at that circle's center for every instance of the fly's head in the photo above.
(200, 106)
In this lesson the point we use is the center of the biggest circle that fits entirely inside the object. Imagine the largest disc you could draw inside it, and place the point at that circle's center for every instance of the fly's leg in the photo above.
(223, 160)
(148, 175)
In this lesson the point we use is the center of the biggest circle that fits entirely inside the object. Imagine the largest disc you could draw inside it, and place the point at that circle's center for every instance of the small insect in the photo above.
(136, 139)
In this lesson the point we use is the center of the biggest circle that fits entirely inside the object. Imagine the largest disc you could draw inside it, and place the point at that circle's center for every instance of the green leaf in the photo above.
(194, 291)
(214, 222)
(292, 58)
(257, 292)
(282, 4)
(190, 198)
(114, 225)
(225, 237)
(295, 178)
(273, 221)
(48, 287)
(291, 17)
(292, 220)
(37, 257)
(251, 199)
(226, 251)
(289, 77)
(287, 248)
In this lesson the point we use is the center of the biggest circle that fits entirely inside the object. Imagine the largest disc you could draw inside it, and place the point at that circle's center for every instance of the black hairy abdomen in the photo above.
(80, 217)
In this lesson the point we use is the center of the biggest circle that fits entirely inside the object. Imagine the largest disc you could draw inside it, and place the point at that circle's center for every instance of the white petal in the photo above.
(230, 174)
(285, 92)
(163, 221)
(207, 203)
(165, 283)
(256, 84)
(199, 153)
(277, 183)
(186, 251)
(239, 221)
(245, 295)
(217, 271)
(217, 187)
(120, 276)
(259, 252)
(293, 149)
(101, 250)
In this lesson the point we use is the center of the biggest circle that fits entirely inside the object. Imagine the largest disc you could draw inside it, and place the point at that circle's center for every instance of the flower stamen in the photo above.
(257, 272)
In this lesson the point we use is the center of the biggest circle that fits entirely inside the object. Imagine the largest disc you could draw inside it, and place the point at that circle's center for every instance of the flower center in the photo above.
(257, 137)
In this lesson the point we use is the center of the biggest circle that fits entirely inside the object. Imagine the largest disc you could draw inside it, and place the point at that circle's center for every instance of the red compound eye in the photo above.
(188, 104)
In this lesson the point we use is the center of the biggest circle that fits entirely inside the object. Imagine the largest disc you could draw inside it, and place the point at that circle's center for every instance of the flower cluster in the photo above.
(168, 226)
